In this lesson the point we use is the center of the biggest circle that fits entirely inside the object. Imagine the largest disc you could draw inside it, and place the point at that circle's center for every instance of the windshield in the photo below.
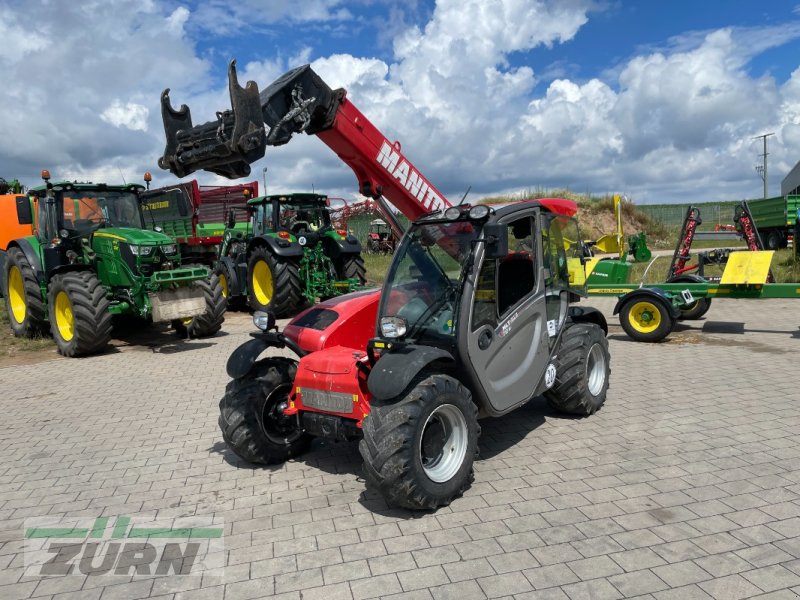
(424, 284)
(303, 216)
(87, 210)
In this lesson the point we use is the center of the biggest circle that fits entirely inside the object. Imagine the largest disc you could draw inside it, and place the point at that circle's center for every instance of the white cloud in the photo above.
(130, 115)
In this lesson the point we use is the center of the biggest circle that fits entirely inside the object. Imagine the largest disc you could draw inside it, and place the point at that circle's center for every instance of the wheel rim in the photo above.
(443, 443)
(596, 370)
(279, 428)
(16, 295)
(65, 319)
(223, 282)
(645, 317)
(262, 282)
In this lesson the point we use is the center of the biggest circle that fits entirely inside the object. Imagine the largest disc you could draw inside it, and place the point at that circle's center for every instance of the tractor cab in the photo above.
(490, 288)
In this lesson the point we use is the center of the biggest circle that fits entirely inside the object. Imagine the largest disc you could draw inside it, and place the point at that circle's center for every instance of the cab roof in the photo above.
(87, 186)
(298, 197)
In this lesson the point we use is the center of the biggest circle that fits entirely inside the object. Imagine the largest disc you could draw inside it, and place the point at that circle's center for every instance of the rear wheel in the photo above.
(78, 311)
(696, 309)
(210, 322)
(583, 366)
(26, 311)
(646, 319)
(418, 450)
(352, 267)
(774, 240)
(273, 283)
(251, 414)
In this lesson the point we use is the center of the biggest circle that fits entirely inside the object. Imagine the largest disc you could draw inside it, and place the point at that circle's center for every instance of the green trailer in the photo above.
(648, 313)
(775, 219)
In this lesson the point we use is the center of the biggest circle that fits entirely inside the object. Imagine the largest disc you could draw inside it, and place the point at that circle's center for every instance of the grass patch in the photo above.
(377, 267)
(11, 345)
(784, 267)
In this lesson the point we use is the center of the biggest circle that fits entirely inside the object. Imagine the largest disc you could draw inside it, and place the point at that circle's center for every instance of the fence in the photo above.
(672, 215)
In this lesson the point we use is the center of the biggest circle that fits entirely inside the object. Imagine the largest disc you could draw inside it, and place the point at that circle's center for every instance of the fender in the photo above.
(395, 370)
(32, 256)
(581, 314)
(234, 287)
(285, 250)
(686, 278)
(652, 293)
(242, 359)
(336, 248)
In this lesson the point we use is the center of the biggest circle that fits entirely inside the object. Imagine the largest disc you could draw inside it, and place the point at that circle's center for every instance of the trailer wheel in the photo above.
(24, 301)
(646, 319)
(78, 311)
(251, 414)
(273, 283)
(698, 308)
(583, 367)
(210, 322)
(774, 240)
(352, 267)
(418, 450)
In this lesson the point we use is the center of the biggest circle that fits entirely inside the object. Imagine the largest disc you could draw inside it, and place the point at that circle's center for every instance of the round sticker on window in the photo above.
(550, 376)
(301, 240)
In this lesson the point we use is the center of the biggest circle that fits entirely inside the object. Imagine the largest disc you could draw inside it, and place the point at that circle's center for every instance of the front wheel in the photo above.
(646, 319)
(251, 414)
(210, 322)
(273, 283)
(583, 367)
(418, 450)
(78, 311)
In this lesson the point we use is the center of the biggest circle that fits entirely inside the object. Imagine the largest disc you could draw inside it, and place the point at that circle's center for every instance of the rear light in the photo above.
(341, 232)
(283, 234)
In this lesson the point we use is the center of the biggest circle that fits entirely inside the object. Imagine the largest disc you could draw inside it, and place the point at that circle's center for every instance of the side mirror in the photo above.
(495, 236)
(24, 212)
(231, 218)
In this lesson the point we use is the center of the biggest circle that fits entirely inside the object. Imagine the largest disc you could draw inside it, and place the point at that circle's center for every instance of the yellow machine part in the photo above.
(747, 267)
(591, 264)
(608, 244)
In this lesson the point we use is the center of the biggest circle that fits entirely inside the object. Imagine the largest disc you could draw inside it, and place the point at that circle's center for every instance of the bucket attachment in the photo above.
(295, 102)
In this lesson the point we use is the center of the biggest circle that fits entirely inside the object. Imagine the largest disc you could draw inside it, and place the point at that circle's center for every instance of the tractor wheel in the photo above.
(210, 322)
(273, 283)
(774, 240)
(583, 366)
(646, 319)
(251, 414)
(418, 450)
(352, 266)
(226, 281)
(24, 300)
(78, 310)
(374, 247)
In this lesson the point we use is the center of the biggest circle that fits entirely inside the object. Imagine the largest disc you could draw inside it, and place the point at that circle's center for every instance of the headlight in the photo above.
(169, 249)
(142, 250)
(393, 327)
(481, 211)
(452, 213)
(264, 320)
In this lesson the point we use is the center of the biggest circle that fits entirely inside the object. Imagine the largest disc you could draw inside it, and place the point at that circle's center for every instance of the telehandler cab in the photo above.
(474, 318)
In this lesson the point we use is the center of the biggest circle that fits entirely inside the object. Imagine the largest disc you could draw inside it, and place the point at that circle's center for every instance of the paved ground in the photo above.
(685, 485)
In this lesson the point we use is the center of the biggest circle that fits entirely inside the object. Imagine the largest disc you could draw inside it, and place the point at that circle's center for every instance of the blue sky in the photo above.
(656, 100)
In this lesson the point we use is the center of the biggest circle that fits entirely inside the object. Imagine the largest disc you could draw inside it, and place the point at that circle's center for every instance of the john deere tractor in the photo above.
(288, 254)
(90, 257)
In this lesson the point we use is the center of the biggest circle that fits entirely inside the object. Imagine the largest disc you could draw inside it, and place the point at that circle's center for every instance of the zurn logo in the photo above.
(124, 546)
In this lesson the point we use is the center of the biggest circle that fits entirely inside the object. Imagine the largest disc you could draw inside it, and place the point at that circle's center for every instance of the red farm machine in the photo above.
(475, 318)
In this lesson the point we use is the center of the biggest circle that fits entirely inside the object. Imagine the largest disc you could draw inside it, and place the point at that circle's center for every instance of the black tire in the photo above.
(583, 368)
(352, 266)
(210, 322)
(230, 288)
(286, 296)
(248, 401)
(774, 240)
(632, 317)
(31, 312)
(374, 247)
(392, 447)
(79, 297)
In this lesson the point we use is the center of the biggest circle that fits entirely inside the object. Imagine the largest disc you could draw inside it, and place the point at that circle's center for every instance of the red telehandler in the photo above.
(475, 317)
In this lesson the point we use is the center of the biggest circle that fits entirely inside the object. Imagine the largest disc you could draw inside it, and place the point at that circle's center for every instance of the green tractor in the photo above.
(287, 254)
(90, 257)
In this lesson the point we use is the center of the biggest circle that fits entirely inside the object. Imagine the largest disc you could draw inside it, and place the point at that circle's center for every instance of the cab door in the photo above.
(507, 333)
